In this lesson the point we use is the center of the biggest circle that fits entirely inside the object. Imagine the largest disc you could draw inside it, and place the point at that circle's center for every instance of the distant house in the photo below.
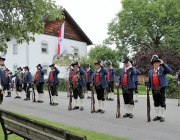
(45, 46)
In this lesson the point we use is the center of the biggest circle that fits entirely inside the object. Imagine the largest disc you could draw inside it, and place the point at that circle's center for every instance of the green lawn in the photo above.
(91, 135)
(141, 90)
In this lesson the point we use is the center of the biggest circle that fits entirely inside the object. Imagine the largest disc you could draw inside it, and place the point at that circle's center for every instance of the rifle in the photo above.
(92, 100)
(70, 98)
(49, 94)
(178, 95)
(148, 103)
(118, 114)
(33, 95)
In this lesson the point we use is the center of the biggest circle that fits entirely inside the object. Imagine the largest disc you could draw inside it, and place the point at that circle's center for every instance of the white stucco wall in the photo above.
(31, 54)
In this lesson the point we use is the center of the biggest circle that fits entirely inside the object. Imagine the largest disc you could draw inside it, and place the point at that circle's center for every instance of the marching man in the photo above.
(126, 80)
(89, 79)
(110, 79)
(158, 83)
(18, 81)
(100, 84)
(78, 83)
(53, 82)
(39, 81)
(70, 78)
(27, 80)
(7, 82)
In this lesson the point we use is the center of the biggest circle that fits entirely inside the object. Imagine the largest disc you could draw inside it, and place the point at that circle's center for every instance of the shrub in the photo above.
(172, 89)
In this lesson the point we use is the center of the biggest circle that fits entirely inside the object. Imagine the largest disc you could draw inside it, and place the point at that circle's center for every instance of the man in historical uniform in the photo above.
(89, 79)
(53, 82)
(136, 83)
(39, 81)
(27, 80)
(100, 85)
(78, 83)
(7, 82)
(18, 81)
(110, 79)
(158, 83)
(70, 78)
(126, 80)
(1, 78)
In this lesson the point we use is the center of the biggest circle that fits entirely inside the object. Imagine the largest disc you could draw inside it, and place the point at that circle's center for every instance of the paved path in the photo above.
(136, 129)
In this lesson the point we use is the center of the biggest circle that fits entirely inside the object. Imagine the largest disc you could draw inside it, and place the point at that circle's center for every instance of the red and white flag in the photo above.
(61, 40)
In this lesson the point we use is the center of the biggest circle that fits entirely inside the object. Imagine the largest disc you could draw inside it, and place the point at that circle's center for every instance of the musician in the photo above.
(18, 81)
(27, 80)
(89, 79)
(7, 82)
(39, 82)
(70, 77)
(78, 83)
(53, 82)
(110, 79)
(100, 85)
(126, 80)
(158, 83)
(1, 78)
(136, 82)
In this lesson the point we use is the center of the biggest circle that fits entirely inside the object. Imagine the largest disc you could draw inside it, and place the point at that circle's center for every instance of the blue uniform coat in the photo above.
(90, 76)
(112, 74)
(136, 75)
(41, 76)
(27, 77)
(81, 73)
(2, 77)
(55, 75)
(17, 79)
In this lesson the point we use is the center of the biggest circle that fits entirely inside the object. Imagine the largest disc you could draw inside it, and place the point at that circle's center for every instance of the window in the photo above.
(44, 47)
(45, 67)
(15, 49)
(76, 51)
(45, 71)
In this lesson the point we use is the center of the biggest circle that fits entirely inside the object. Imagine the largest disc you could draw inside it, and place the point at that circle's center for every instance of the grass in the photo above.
(141, 90)
(91, 135)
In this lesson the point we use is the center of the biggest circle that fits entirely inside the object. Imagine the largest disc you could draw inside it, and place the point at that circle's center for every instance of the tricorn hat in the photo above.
(52, 65)
(2, 58)
(109, 63)
(76, 63)
(39, 65)
(98, 62)
(26, 67)
(20, 68)
(155, 58)
(126, 60)
(88, 65)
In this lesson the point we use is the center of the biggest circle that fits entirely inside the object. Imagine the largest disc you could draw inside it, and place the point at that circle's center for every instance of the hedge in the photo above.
(172, 89)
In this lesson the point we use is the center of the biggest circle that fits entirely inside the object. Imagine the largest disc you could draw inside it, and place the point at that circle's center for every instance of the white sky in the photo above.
(92, 16)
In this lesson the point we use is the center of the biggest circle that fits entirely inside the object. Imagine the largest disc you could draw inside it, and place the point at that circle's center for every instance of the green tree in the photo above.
(90, 60)
(149, 23)
(104, 53)
(19, 18)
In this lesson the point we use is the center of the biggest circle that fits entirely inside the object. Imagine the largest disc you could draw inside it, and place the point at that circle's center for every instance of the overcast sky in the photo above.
(92, 16)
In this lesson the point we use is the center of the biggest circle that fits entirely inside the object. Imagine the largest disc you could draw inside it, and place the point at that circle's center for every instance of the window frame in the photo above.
(43, 44)
(15, 45)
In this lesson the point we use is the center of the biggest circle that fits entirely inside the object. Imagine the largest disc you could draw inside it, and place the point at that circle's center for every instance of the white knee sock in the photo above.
(162, 111)
(89, 93)
(127, 106)
(54, 99)
(112, 95)
(157, 109)
(103, 103)
(39, 96)
(131, 108)
(76, 101)
(81, 102)
(99, 102)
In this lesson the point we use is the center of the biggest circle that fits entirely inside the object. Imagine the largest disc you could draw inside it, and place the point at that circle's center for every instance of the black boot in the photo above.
(9, 93)
(26, 96)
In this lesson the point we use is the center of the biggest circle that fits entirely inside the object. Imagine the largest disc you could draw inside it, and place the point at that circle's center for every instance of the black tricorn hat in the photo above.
(76, 63)
(109, 63)
(26, 67)
(155, 58)
(2, 58)
(6, 69)
(20, 68)
(88, 65)
(98, 62)
(39, 65)
(126, 60)
(52, 65)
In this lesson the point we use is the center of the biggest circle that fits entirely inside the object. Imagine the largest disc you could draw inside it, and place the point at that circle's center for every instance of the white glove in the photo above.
(27, 84)
(30, 89)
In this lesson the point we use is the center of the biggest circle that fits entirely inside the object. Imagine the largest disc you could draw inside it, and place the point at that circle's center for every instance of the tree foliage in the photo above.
(85, 60)
(149, 23)
(18, 18)
(104, 53)
(142, 59)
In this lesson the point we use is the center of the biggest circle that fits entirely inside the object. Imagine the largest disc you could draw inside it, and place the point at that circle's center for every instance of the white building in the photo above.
(45, 46)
